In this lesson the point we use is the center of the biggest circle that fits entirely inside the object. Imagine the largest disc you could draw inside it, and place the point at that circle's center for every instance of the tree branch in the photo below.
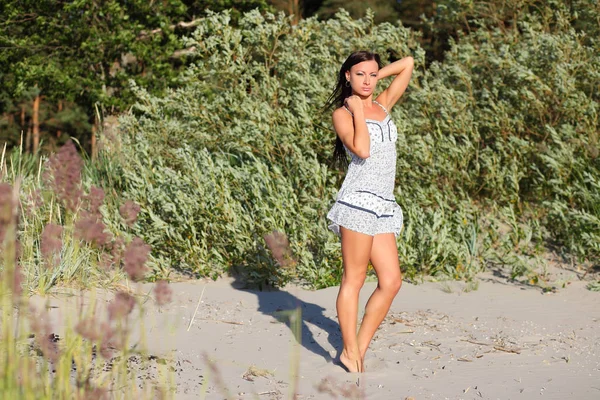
(183, 52)
(182, 24)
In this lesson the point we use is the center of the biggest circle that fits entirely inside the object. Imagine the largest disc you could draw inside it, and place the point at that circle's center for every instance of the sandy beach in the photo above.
(500, 340)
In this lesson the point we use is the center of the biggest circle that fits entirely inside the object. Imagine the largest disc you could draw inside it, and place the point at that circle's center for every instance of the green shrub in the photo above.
(498, 147)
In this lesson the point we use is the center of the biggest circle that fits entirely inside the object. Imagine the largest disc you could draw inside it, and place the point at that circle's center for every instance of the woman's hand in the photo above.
(354, 104)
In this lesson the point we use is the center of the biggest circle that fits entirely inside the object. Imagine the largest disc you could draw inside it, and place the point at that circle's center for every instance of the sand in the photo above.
(500, 340)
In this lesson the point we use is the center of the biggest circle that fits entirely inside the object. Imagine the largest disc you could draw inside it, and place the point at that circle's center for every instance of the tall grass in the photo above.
(52, 234)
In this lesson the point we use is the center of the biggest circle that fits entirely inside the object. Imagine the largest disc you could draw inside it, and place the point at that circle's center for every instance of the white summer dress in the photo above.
(365, 203)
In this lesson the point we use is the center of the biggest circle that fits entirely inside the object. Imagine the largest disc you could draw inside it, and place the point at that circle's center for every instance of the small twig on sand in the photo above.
(515, 351)
(406, 331)
(225, 322)
(198, 305)
(479, 343)
(496, 347)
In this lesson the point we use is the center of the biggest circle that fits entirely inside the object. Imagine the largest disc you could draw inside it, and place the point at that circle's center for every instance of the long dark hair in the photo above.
(339, 95)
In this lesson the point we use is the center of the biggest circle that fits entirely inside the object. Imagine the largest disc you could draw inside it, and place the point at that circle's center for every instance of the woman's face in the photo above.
(363, 77)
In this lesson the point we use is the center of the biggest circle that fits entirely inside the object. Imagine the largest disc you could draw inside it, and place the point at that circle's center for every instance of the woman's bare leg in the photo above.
(384, 257)
(356, 250)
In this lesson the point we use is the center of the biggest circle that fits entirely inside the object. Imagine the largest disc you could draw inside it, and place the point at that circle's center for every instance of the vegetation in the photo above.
(220, 160)
(498, 156)
(60, 63)
(93, 355)
(498, 151)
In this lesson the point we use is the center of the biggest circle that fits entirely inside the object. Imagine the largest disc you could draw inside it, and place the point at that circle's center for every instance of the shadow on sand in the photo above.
(283, 306)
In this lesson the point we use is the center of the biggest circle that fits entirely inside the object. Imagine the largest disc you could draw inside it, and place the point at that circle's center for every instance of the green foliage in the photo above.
(241, 149)
(497, 151)
(87, 48)
(510, 118)
(384, 10)
(236, 7)
(83, 53)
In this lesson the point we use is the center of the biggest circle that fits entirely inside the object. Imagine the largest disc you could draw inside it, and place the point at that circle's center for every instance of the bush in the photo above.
(498, 147)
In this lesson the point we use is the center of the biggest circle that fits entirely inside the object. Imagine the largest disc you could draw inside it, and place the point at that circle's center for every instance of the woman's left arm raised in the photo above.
(402, 69)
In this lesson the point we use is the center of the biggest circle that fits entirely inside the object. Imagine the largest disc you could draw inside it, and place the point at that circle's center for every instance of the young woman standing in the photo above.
(365, 213)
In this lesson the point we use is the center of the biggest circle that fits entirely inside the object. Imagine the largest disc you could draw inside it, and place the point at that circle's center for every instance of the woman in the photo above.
(365, 213)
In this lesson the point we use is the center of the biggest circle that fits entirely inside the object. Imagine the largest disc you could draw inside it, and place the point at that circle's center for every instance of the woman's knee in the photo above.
(354, 280)
(391, 285)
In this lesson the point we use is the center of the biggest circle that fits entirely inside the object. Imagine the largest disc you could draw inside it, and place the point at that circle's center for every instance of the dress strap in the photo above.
(384, 109)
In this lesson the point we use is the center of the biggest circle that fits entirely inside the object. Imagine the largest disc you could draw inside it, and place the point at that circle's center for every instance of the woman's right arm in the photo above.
(353, 131)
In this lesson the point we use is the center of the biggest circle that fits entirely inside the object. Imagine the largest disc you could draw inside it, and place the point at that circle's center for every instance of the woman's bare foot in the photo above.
(352, 364)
